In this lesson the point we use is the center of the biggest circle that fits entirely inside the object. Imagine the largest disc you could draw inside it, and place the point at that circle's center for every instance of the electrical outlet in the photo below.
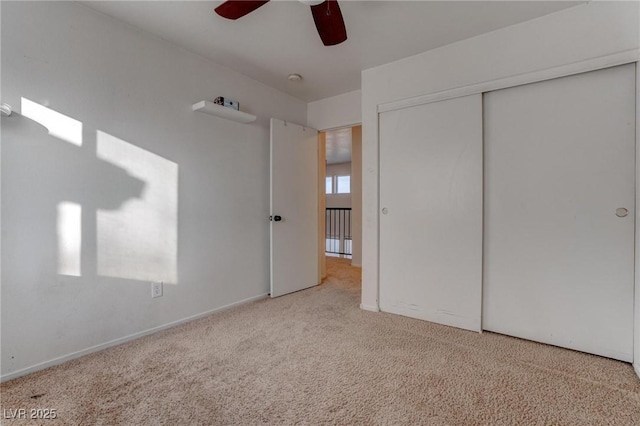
(156, 289)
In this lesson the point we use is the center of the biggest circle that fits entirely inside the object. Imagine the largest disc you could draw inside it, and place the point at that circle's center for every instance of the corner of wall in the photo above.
(337, 111)
(369, 308)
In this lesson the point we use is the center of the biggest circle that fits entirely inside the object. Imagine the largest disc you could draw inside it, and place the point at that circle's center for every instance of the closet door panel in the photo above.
(559, 211)
(431, 212)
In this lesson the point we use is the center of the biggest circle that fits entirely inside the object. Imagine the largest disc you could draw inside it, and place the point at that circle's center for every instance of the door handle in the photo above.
(622, 212)
(275, 218)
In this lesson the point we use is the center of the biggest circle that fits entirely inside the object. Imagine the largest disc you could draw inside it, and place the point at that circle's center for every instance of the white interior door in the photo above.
(559, 171)
(431, 212)
(294, 207)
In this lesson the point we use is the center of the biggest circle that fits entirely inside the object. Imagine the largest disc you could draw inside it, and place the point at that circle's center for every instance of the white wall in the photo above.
(334, 112)
(580, 33)
(149, 171)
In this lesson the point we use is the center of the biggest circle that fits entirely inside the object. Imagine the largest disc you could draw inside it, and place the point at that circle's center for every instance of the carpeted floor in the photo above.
(314, 357)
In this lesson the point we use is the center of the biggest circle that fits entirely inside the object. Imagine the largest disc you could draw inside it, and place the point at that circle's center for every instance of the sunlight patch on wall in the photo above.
(59, 125)
(69, 228)
(139, 240)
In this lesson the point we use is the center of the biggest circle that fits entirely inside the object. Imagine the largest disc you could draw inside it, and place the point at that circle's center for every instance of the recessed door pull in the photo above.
(622, 212)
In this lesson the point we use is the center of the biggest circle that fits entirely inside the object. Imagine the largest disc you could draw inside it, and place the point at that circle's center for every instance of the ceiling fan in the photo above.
(326, 15)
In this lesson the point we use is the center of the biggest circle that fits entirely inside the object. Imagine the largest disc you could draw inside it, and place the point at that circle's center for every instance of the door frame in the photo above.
(322, 167)
(608, 61)
(322, 202)
(636, 304)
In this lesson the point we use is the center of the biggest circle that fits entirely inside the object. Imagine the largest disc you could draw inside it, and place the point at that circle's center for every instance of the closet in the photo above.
(513, 211)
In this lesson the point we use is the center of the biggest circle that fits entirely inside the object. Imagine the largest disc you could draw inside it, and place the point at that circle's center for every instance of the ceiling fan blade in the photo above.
(234, 9)
(329, 22)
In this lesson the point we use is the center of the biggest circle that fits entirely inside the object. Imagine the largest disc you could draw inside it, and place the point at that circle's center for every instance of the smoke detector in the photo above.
(294, 77)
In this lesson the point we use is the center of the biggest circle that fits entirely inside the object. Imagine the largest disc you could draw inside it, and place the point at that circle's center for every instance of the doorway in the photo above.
(341, 193)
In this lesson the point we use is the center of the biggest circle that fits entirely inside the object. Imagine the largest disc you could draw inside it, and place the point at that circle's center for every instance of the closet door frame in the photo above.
(621, 58)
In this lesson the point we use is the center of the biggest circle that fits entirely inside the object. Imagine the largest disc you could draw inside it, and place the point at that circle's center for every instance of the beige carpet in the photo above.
(315, 358)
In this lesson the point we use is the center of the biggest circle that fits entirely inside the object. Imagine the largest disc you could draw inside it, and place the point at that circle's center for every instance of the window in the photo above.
(343, 184)
(337, 184)
(328, 185)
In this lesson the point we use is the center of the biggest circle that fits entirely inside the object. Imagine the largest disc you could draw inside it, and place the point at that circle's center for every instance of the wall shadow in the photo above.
(88, 209)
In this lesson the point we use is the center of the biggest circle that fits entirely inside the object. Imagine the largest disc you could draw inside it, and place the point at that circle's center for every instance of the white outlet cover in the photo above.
(156, 289)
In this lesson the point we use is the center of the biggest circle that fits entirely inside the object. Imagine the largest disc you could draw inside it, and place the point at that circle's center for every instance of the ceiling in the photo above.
(280, 38)
(338, 146)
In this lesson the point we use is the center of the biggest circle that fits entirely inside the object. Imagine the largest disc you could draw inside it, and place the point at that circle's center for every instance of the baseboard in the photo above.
(460, 319)
(636, 367)
(369, 308)
(121, 340)
(356, 265)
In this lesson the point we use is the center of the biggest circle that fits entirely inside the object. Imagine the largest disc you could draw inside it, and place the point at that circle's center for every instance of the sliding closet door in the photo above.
(431, 212)
(559, 211)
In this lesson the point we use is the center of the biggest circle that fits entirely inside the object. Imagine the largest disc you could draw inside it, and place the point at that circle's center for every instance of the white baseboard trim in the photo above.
(356, 265)
(121, 340)
(369, 308)
(636, 367)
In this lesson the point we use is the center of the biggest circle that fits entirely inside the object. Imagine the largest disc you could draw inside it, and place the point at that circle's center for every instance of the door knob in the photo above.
(622, 212)
(385, 210)
(277, 218)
